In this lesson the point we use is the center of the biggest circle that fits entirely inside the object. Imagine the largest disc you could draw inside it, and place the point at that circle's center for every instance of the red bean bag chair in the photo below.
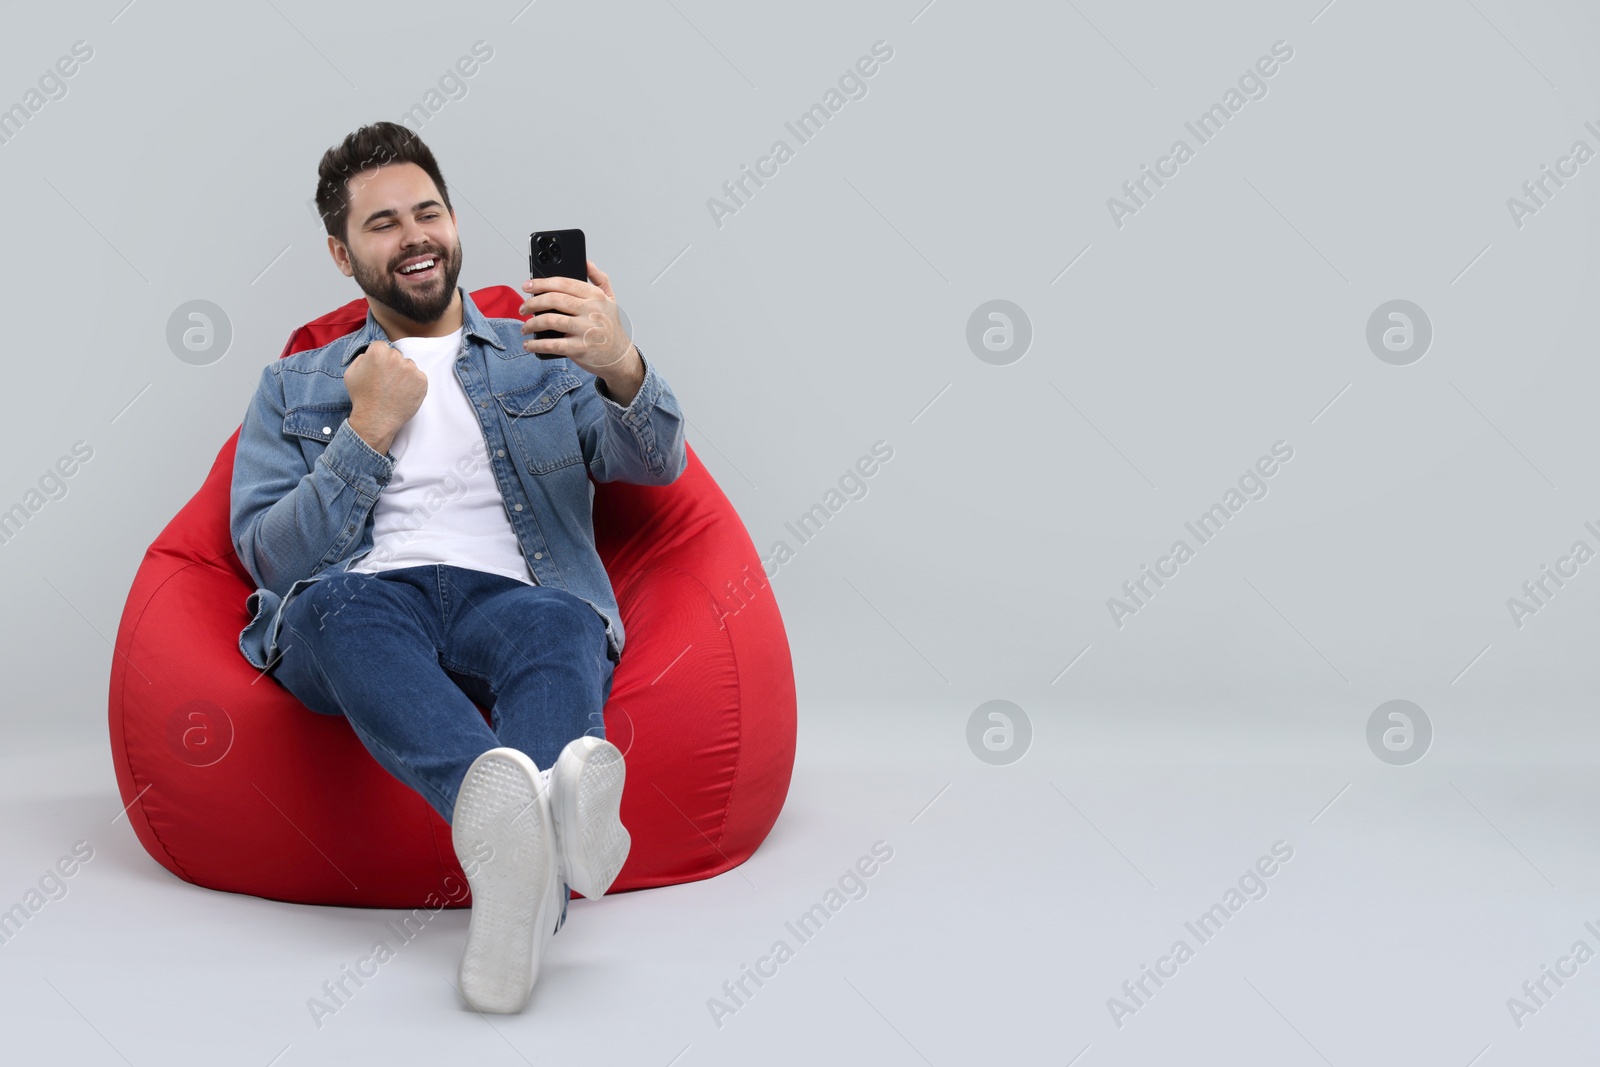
(232, 784)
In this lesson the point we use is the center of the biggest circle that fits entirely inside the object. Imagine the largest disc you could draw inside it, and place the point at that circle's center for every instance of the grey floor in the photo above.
(1017, 902)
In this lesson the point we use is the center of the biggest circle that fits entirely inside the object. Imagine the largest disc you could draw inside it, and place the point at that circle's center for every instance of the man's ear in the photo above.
(341, 256)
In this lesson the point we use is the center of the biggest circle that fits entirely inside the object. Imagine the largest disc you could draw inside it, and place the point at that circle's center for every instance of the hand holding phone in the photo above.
(602, 345)
(556, 254)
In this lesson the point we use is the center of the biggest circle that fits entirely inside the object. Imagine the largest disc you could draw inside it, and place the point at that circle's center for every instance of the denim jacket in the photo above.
(305, 483)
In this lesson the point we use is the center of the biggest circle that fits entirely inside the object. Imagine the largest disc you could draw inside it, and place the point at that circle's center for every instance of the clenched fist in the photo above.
(386, 389)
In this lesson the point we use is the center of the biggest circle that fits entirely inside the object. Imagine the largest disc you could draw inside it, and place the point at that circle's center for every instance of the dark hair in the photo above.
(377, 145)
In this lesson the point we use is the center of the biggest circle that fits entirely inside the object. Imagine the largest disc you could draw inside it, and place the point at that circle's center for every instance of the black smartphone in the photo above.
(556, 254)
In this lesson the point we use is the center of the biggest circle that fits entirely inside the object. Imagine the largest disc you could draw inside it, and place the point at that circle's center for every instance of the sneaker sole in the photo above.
(586, 800)
(498, 806)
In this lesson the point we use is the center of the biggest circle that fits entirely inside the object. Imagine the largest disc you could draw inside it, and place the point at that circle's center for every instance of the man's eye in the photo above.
(390, 225)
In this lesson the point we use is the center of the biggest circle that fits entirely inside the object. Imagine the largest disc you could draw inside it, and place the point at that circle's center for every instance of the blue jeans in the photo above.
(402, 654)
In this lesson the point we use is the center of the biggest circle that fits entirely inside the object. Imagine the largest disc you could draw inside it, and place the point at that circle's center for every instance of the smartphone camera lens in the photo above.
(547, 249)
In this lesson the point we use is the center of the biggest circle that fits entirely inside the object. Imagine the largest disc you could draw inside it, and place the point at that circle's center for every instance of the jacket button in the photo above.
(327, 429)
(500, 452)
(538, 555)
(518, 508)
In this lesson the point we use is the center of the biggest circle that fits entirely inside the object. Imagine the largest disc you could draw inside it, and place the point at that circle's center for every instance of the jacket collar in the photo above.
(472, 321)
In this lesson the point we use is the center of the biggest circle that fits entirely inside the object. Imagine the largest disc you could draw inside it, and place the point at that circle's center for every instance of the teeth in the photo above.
(416, 267)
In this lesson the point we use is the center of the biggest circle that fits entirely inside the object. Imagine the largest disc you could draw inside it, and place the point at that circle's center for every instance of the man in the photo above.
(414, 503)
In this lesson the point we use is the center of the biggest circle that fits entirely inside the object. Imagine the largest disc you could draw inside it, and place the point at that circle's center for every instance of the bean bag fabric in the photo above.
(230, 783)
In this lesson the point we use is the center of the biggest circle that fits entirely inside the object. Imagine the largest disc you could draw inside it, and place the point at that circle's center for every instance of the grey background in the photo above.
(830, 313)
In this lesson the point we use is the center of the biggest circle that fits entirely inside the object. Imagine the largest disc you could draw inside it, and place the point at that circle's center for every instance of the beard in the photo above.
(422, 304)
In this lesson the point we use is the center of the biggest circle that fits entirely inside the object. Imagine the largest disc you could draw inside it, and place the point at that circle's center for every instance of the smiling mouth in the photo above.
(428, 270)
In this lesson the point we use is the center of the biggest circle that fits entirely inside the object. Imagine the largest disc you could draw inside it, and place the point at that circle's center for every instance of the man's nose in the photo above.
(412, 235)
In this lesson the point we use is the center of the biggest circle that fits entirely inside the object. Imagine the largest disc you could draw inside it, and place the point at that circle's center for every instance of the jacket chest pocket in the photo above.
(541, 423)
(315, 424)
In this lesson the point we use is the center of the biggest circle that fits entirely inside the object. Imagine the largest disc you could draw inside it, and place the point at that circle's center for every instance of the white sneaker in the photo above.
(501, 822)
(561, 865)
(586, 805)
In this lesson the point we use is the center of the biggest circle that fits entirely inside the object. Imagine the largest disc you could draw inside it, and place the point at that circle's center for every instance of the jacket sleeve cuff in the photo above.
(361, 467)
(642, 401)
(637, 415)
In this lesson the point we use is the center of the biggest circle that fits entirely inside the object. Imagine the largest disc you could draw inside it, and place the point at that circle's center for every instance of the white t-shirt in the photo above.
(442, 504)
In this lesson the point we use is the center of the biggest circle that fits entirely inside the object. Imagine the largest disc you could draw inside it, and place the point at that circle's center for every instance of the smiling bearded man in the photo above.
(413, 501)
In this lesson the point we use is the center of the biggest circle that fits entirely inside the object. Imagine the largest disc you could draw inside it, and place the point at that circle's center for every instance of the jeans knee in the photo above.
(575, 621)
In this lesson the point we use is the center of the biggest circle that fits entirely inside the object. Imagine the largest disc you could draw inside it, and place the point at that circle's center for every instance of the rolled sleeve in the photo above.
(362, 467)
(288, 522)
(640, 442)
